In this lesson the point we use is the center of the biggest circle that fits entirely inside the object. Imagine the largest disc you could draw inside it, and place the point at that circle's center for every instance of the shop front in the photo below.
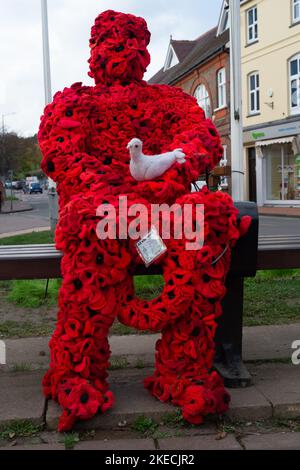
(277, 168)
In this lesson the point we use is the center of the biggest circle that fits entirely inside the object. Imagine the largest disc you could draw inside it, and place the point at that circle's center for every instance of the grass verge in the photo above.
(32, 294)
(33, 238)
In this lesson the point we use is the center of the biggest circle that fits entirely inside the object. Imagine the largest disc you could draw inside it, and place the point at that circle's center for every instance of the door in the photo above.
(252, 174)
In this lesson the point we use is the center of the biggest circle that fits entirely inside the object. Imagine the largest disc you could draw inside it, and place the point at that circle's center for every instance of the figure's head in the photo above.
(118, 48)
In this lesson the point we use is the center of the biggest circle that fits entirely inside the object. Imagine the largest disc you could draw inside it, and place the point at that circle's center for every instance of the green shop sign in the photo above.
(258, 135)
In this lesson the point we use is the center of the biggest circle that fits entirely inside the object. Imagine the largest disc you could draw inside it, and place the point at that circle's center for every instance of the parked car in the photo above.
(17, 185)
(35, 188)
(8, 184)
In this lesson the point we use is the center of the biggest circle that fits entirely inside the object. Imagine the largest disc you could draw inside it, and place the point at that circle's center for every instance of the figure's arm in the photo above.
(191, 131)
(63, 137)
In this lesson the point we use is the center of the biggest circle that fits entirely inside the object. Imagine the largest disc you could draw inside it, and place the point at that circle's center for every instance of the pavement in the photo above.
(279, 211)
(274, 396)
(13, 207)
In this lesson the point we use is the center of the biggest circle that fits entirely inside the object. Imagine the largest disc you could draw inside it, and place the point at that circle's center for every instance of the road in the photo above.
(39, 217)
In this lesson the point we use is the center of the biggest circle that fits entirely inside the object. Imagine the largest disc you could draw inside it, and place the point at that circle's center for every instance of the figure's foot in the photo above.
(196, 400)
(80, 400)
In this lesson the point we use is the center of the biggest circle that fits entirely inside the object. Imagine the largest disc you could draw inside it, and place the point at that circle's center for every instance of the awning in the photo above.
(284, 140)
(294, 140)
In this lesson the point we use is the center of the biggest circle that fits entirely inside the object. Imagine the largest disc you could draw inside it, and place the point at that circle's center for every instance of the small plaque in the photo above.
(151, 247)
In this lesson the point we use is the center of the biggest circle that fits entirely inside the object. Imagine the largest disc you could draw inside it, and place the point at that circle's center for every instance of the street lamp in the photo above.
(237, 156)
(46, 53)
(53, 200)
(3, 116)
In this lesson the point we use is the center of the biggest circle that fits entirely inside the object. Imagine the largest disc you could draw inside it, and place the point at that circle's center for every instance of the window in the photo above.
(171, 58)
(254, 94)
(221, 79)
(202, 96)
(252, 25)
(224, 18)
(294, 66)
(296, 10)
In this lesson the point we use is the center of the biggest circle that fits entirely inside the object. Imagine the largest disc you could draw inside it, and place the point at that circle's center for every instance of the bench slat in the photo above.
(43, 261)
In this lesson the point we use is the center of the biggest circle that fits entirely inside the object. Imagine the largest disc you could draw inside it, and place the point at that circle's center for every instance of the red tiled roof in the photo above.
(191, 54)
(182, 48)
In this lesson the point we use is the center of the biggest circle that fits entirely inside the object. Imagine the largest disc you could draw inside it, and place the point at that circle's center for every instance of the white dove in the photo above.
(148, 167)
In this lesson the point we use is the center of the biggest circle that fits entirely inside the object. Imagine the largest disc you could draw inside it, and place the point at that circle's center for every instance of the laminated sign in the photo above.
(151, 247)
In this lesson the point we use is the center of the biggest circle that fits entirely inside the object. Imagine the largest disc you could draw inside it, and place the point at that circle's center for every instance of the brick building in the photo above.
(201, 68)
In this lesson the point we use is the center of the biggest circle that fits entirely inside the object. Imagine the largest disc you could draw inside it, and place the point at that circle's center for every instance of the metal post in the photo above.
(237, 156)
(53, 199)
(46, 53)
(11, 190)
(229, 334)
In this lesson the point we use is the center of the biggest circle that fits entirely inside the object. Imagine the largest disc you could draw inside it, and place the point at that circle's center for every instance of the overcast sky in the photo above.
(21, 69)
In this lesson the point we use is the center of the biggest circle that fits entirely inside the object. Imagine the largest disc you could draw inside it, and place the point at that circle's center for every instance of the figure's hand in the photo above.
(179, 156)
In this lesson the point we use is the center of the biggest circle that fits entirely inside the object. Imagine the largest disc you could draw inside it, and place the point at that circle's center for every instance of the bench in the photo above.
(251, 253)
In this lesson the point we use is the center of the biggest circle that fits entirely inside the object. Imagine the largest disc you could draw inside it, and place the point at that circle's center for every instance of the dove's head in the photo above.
(118, 48)
(135, 147)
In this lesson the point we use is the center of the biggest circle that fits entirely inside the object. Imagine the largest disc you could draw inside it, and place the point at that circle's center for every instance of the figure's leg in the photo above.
(79, 347)
(185, 353)
(184, 358)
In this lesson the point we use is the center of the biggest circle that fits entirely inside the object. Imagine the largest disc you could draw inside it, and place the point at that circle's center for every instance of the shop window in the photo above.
(283, 173)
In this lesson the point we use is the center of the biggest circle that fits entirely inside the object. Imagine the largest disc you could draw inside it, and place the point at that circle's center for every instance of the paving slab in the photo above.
(132, 401)
(29, 351)
(269, 342)
(199, 443)
(21, 397)
(248, 404)
(280, 384)
(115, 445)
(272, 441)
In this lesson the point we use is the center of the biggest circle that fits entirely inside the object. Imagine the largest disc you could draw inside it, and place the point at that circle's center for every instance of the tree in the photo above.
(19, 154)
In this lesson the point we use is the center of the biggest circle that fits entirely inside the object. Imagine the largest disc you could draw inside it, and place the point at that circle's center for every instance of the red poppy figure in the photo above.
(83, 136)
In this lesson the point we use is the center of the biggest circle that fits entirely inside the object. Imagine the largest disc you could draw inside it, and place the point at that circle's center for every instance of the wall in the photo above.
(278, 42)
